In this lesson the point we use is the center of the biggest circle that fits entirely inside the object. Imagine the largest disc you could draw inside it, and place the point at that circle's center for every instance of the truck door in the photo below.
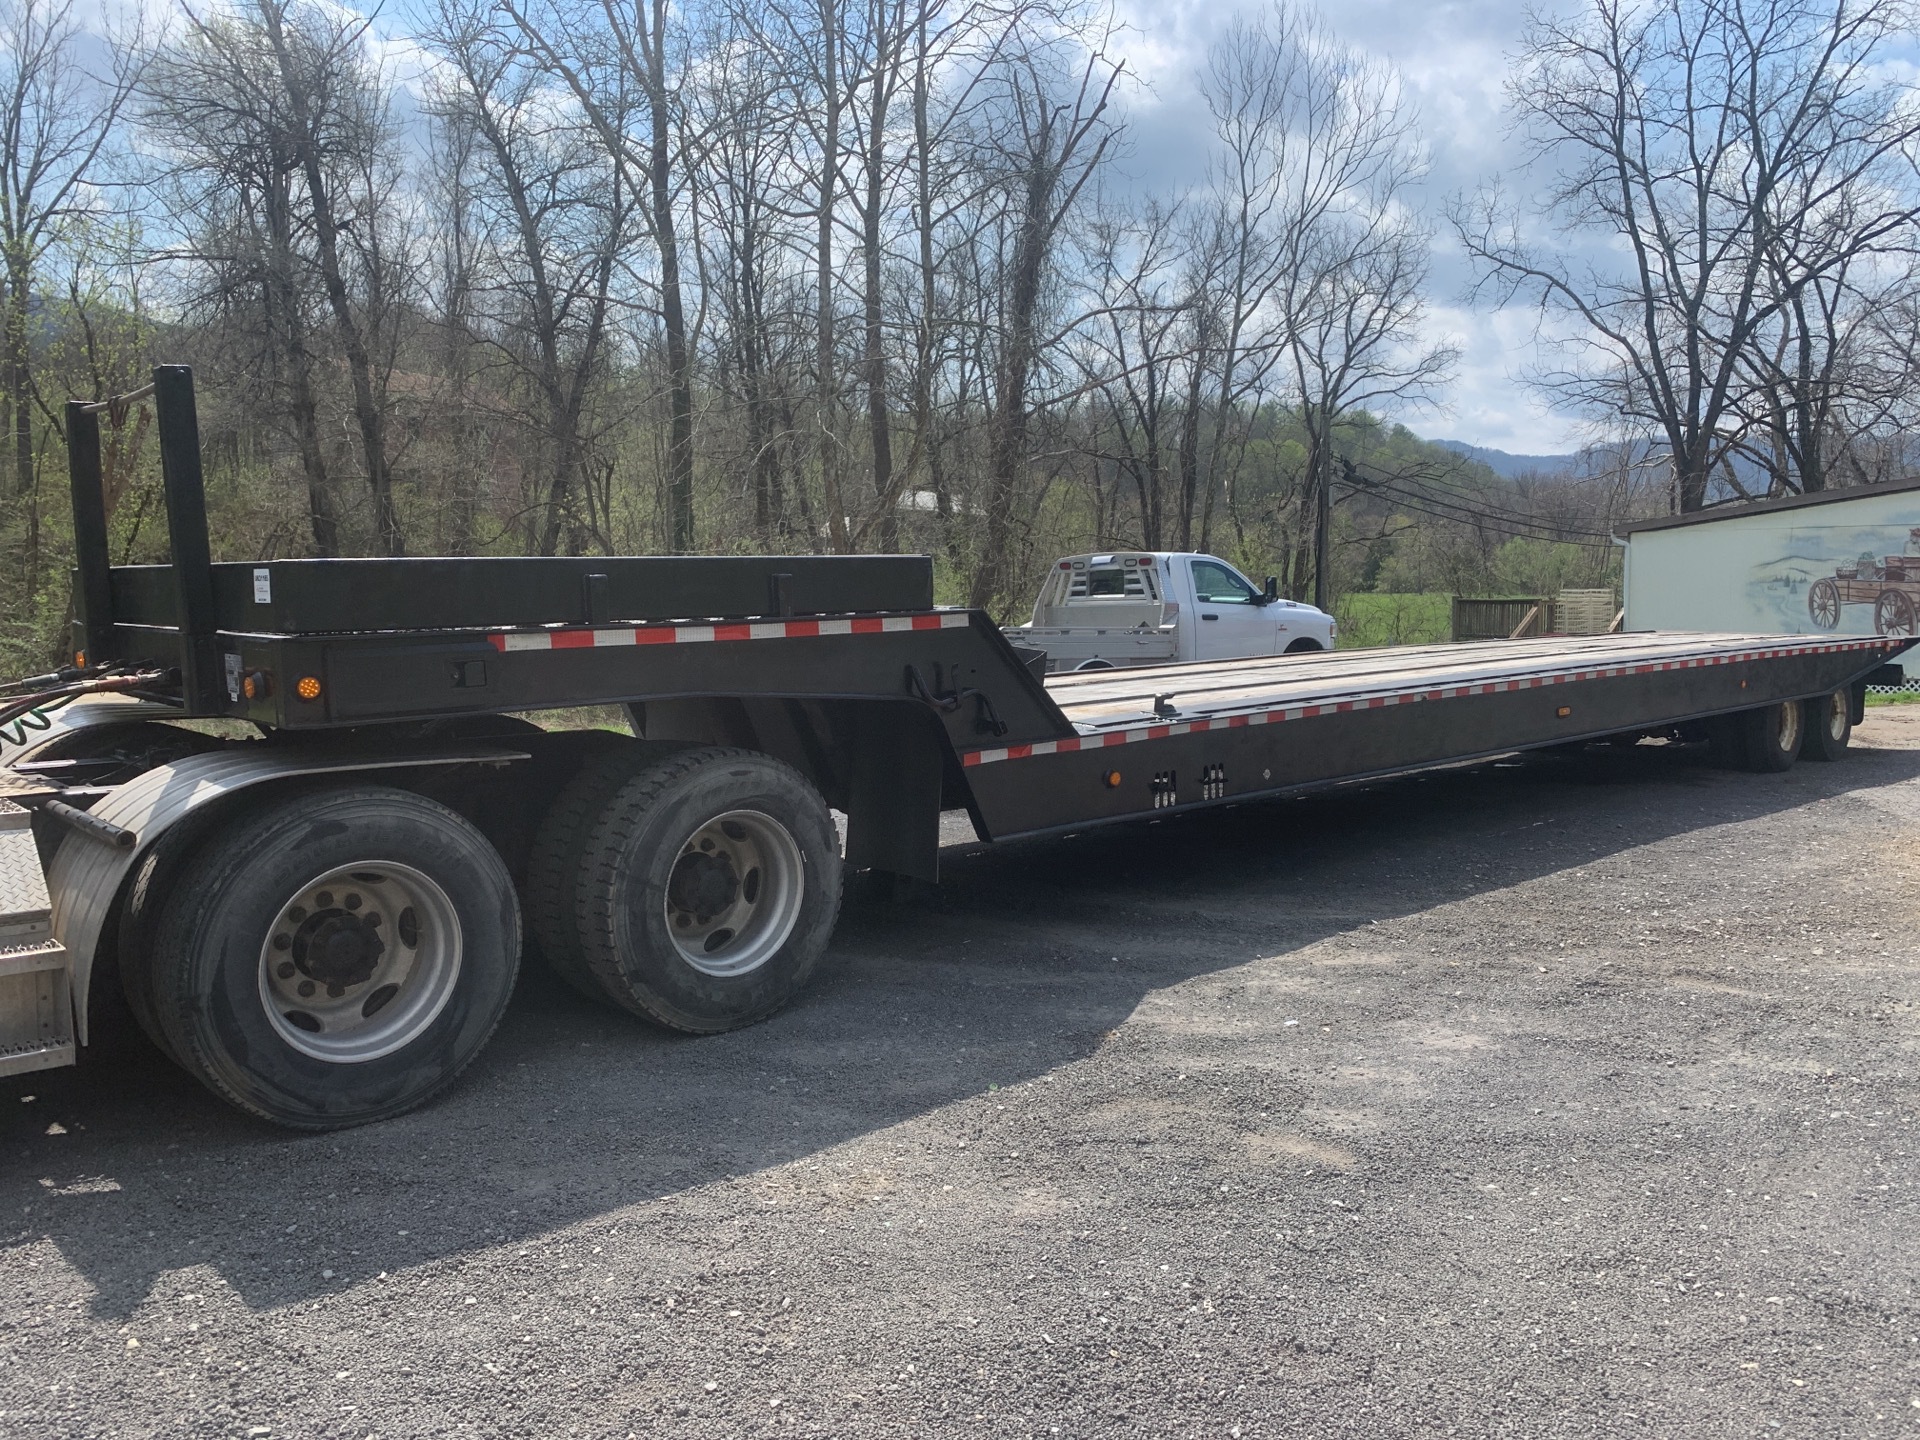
(1228, 620)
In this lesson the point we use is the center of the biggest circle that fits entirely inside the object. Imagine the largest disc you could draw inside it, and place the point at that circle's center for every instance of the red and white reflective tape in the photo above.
(1380, 702)
(593, 638)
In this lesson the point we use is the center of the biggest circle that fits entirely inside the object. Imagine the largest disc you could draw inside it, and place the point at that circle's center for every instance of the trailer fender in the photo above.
(87, 875)
(81, 715)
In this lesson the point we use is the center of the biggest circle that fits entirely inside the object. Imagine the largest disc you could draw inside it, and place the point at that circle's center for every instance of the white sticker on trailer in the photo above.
(262, 587)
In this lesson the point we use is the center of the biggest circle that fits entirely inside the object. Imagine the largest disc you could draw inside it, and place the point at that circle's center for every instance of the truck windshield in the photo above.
(1215, 584)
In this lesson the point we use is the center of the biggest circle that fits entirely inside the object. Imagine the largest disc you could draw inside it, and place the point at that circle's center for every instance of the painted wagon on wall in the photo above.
(1889, 583)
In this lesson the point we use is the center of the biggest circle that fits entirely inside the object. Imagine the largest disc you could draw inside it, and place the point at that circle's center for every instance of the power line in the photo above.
(1453, 500)
(1495, 523)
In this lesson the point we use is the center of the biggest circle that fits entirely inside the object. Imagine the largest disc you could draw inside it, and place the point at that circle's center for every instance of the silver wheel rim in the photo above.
(1789, 727)
(734, 894)
(1838, 708)
(360, 961)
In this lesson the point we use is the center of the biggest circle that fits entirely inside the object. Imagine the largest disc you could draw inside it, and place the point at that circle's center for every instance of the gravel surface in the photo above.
(1574, 1097)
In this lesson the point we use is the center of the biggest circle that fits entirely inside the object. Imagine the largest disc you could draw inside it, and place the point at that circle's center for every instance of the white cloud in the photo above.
(1453, 58)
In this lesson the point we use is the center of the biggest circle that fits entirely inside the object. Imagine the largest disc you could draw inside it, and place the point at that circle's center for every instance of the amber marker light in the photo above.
(1564, 711)
(308, 687)
(79, 659)
(1112, 777)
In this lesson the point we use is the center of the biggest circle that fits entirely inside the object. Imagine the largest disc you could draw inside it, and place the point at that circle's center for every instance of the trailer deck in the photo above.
(1100, 701)
(1182, 735)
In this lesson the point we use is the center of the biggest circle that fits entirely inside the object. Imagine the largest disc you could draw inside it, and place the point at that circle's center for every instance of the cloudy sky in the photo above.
(1453, 57)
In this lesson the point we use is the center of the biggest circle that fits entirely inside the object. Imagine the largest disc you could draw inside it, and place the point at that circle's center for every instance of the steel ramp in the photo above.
(36, 979)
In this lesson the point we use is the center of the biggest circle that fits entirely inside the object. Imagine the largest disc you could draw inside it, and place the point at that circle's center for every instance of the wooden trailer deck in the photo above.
(1341, 680)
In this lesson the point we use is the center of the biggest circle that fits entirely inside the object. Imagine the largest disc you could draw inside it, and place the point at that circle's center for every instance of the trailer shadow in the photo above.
(1022, 962)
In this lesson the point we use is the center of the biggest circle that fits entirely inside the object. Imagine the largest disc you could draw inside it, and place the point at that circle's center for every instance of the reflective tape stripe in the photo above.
(507, 641)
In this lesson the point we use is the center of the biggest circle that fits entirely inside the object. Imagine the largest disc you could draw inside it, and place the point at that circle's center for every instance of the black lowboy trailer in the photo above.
(318, 907)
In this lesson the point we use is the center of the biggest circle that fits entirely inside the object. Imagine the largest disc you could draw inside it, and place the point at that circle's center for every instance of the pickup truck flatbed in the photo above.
(319, 912)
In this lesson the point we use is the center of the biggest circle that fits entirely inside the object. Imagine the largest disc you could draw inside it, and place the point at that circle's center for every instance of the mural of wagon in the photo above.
(1889, 583)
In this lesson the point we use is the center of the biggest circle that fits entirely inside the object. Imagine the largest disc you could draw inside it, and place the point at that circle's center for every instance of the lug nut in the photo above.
(285, 972)
(334, 992)
(306, 989)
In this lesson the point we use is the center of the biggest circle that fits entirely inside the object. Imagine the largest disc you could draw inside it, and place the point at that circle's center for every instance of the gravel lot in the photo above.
(1575, 1097)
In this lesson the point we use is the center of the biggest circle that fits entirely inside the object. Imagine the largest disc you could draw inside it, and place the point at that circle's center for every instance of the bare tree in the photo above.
(1135, 355)
(338, 113)
(622, 59)
(1739, 155)
(556, 216)
(229, 167)
(1047, 133)
(55, 119)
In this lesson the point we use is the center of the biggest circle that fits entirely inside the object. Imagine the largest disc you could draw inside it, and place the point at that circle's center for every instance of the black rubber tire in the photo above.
(1829, 726)
(551, 896)
(152, 882)
(1771, 736)
(630, 857)
(208, 936)
(140, 745)
(1304, 646)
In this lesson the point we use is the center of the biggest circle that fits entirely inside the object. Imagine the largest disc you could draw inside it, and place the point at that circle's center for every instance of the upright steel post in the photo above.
(200, 680)
(93, 592)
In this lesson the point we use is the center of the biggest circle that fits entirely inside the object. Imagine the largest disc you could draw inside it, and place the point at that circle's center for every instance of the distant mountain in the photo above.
(1507, 465)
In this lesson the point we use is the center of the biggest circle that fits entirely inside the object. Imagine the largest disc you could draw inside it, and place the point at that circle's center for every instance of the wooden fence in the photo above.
(1572, 612)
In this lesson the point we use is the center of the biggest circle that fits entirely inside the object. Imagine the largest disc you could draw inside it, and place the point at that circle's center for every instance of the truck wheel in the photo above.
(709, 888)
(1829, 726)
(337, 958)
(553, 865)
(1772, 735)
(114, 753)
(1302, 646)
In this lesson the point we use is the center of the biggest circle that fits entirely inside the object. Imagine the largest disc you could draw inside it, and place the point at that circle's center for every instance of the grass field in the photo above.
(1368, 620)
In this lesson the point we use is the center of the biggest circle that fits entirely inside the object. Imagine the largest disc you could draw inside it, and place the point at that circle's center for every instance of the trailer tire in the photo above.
(668, 921)
(138, 745)
(1772, 736)
(1829, 726)
(551, 894)
(148, 888)
(430, 986)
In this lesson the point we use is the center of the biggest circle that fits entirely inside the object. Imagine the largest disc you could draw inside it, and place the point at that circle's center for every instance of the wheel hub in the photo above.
(359, 961)
(734, 893)
(338, 948)
(703, 883)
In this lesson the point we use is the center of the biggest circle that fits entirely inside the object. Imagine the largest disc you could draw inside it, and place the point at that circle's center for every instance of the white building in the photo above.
(1842, 561)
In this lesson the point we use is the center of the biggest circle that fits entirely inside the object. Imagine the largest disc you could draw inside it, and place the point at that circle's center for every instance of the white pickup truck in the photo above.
(1138, 607)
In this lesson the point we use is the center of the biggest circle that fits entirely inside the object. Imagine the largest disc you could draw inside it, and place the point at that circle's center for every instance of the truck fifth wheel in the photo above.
(322, 918)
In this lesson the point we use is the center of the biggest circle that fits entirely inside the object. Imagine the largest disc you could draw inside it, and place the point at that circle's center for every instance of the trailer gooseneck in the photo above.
(323, 920)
